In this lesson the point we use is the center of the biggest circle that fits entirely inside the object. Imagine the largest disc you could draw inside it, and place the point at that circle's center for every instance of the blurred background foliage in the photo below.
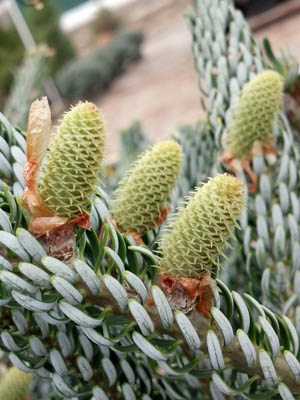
(77, 76)
(107, 21)
(84, 78)
(44, 25)
(9, 39)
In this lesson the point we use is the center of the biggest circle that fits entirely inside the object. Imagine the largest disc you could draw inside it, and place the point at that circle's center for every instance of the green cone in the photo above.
(256, 113)
(15, 385)
(72, 165)
(143, 193)
(197, 234)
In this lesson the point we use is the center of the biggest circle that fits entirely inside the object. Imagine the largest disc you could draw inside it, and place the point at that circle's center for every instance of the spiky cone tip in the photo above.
(251, 132)
(195, 240)
(140, 202)
(59, 197)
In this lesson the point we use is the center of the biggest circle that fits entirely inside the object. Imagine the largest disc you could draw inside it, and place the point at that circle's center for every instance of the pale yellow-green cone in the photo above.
(15, 385)
(72, 165)
(255, 114)
(143, 193)
(198, 233)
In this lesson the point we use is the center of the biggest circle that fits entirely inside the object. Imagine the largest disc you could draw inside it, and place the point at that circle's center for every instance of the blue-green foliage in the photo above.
(104, 327)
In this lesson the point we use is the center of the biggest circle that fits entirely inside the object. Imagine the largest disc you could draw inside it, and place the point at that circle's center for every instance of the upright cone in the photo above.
(255, 114)
(196, 236)
(140, 200)
(72, 165)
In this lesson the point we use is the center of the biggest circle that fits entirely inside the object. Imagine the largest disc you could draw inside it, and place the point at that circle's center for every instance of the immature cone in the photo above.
(60, 183)
(196, 236)
(256, 113)
(15, 385)
(194, 241)
(72, 165)
(140, 200)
